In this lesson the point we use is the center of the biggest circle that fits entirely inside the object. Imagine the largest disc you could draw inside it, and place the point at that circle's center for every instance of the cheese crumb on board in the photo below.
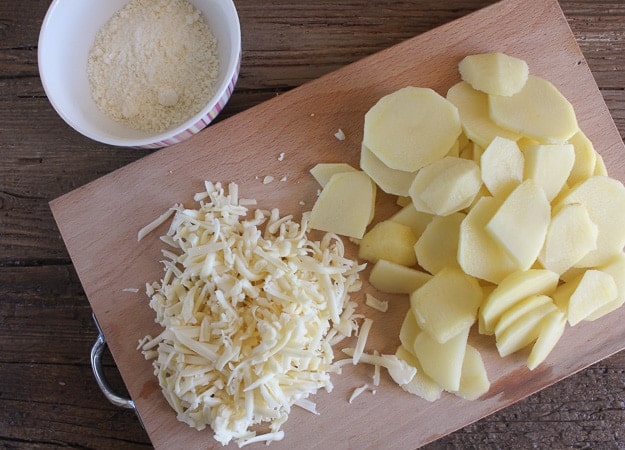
(340, 135)
(357, 392)
(154, 64)
(268, 179)
(250, 309)
(375, 303)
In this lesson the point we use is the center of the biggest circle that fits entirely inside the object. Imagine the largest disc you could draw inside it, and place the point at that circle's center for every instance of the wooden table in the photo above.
(48, 396)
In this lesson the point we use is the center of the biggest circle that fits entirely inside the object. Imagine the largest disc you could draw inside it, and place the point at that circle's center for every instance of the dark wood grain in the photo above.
(48, 398)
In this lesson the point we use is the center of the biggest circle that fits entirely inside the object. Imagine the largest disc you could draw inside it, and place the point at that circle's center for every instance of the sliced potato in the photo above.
(410, 128)
(475, 117)
(570, 236)
(391, 181)
(445, 186)
(393, 278)
(437, 247)
(447, 304)
(549, 165)
(519, 309)
(421, 384)
(604, 199)
(583, 296)
(409, 331)
(494, 73)
(524, 331)
(615, 267)
(473, 378)
(391, 241)
(514, 288)
(442, 362)
(322, 172)
(408, 215)
(502, 165)
(478, 253)
(551, 330)
(539, 111)
(585, 158)
(345, 205)
(520, 224)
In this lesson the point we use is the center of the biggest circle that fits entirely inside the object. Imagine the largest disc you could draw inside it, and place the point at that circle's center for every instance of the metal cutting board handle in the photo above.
(96, 365)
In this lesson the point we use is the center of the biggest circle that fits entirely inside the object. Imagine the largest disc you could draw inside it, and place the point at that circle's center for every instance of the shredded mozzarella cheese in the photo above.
(250, 309)
(357, 392)
(375, 303)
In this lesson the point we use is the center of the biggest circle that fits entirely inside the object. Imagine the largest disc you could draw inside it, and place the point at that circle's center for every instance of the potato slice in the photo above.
(421, 384)
(409, 331)
(600, 168)
(502, 165)
(417, 220)
(475, 116)
(538, 111)
(551, 330)
(478, 253)
(604, 199)
(523, 331)
(446, 186)
(391, 181)
(411, 127)
(393, 278)
(473, 378)
(520, 224)
(570, 236)
(585, 158)
(616, 268)
(516, 311)
(549, 165)
(494, 73)
(437, 247)
(391, 241)
(583, 296)
(514, 288)
(442, 362)
(345, 205)
(322, 172)
(446, 304)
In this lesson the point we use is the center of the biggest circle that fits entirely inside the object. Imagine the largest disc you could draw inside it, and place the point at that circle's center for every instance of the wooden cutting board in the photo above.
(99, 223)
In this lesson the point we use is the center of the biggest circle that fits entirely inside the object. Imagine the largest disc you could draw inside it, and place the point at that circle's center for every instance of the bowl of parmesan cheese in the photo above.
(139, 73)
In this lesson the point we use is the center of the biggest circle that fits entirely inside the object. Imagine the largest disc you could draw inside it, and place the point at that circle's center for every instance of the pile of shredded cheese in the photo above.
(250, 309)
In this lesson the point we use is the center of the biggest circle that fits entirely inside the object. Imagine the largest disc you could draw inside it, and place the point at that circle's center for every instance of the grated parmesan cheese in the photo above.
(154, 64)
(250, 309)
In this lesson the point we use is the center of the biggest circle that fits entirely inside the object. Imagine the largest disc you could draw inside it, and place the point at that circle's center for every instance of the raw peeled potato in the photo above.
(502, 165)
(323, 172)
(410, 128)
(539, 111)
(509, 219)
(345, 205)
(520, 224)
(445, 186)
(494, 73)
(393, 278)
(391, 181)
(474, 115)
(391, 241)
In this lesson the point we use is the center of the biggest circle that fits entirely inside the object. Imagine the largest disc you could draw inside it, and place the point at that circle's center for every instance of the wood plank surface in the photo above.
(102, 219)
(48, 397)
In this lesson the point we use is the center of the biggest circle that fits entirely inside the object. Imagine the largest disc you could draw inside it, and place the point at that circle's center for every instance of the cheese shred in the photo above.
(250, 308)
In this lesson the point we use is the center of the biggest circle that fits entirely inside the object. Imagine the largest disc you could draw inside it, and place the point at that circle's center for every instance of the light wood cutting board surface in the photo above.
(99, 224)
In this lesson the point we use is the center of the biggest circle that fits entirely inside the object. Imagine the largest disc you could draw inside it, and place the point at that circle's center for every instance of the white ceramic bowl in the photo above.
(68, 31)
